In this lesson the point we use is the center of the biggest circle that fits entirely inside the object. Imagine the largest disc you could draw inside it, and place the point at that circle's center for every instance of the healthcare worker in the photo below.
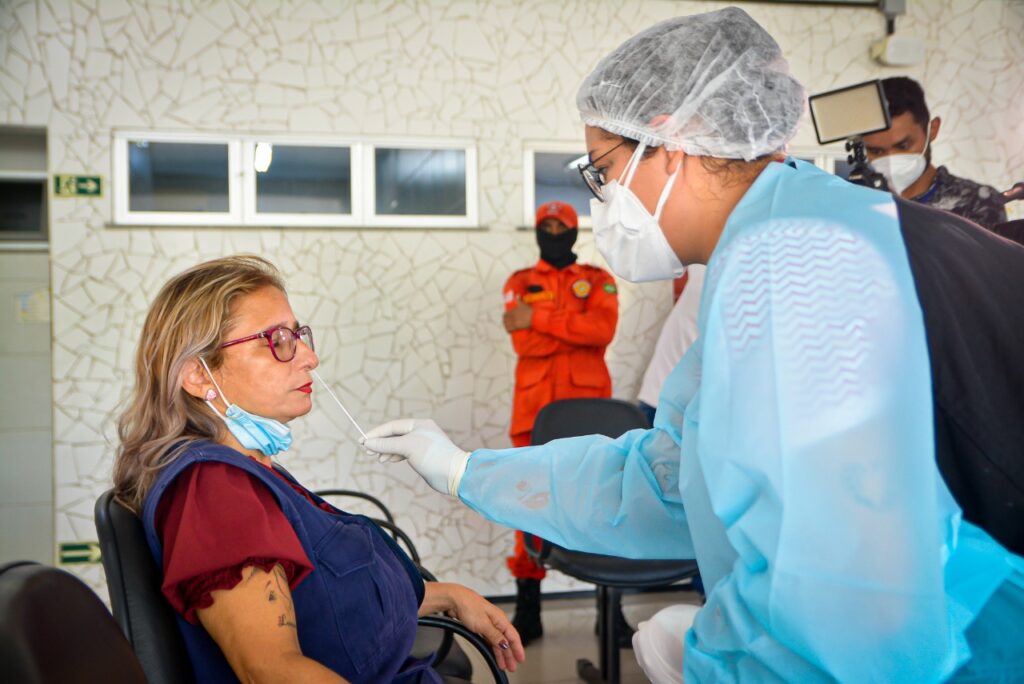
(840, 449)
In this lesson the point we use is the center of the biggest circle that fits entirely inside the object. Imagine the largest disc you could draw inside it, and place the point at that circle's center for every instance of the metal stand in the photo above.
(862, 173)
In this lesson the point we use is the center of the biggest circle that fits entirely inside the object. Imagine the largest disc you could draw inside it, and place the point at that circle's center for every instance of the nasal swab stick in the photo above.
(338, 402)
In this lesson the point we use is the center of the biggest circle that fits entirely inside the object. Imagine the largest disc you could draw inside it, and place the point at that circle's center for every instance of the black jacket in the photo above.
(970, 283)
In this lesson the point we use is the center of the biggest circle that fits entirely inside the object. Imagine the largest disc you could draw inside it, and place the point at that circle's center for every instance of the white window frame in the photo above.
(468, 220)
(824, 157)
(250, 216)
(123, 215)
(530, 149)
(242, 183)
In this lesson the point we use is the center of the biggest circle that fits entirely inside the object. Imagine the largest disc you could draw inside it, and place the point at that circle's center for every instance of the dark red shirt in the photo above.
(213, 521)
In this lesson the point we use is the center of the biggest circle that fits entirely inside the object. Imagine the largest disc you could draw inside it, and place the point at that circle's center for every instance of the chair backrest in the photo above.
(53, 628)
(576, 417)
(133, 581)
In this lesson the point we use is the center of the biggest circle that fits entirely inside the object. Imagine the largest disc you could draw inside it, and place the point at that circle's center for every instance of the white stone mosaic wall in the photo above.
(408, 321)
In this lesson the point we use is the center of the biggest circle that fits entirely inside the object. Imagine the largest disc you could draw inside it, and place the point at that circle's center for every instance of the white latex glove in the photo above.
(658, 643)
(426, 447)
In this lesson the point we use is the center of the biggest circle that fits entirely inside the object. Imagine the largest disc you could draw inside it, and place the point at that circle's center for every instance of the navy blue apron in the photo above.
(356, 612)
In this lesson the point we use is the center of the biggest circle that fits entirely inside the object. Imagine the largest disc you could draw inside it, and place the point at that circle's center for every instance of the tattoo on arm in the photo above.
(277, 590)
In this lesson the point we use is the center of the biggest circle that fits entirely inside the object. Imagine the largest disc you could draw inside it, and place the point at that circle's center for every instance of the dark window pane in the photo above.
(170, 176)
(22, 209)
(556, 179)
(420, 182)
(843, 168)
(306, 180)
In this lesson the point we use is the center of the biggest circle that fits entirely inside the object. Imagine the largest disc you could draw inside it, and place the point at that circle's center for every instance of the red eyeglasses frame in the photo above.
(269, 332)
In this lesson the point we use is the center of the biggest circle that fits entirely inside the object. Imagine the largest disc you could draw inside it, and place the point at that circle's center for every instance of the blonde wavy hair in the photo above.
(189, 318)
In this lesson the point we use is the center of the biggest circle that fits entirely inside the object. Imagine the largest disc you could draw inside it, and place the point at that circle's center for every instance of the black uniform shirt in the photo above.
(974, 201)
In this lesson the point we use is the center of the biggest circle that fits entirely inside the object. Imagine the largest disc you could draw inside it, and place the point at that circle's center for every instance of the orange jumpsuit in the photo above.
(561, 355)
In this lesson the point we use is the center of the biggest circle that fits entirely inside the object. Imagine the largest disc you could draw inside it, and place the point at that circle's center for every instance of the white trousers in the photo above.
(658, 643)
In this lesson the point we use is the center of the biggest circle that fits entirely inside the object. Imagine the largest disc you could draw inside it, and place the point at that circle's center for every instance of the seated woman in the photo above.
(270, 582)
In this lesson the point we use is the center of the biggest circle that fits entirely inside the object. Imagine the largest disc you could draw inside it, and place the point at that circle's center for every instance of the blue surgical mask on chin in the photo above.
(253, 432)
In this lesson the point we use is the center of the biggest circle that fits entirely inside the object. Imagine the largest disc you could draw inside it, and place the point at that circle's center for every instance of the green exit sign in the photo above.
(65, 185)
(73, 553)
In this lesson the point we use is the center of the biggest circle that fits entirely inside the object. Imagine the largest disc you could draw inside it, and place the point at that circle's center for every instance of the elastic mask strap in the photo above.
(927, 138)
(634, 162)
(666, 192)
(220, 392)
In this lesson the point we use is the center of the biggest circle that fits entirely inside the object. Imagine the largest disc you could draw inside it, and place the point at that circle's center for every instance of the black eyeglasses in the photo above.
(594, 178)
(281, 340)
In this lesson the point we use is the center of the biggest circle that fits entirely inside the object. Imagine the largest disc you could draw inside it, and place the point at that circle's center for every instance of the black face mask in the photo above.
(557, 249)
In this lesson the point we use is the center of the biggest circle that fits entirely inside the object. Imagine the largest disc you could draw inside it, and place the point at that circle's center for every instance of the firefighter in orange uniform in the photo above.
(561, 316)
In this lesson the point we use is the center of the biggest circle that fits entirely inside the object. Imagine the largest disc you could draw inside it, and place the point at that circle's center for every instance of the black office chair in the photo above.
(612, 418)
(147, 619)
(54, 629)
(133, 582)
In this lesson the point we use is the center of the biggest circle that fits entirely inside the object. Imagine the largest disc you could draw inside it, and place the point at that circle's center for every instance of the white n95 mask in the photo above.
(902, 170)
(628, 236)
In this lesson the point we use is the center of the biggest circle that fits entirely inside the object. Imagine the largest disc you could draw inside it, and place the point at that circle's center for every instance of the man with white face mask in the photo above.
(839, 453)
(903, 154)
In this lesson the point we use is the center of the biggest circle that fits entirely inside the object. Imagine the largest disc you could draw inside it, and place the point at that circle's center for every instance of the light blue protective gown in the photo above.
(793, 456)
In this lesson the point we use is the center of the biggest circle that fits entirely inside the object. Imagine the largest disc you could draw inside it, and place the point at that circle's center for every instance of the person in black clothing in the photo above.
(903, 155)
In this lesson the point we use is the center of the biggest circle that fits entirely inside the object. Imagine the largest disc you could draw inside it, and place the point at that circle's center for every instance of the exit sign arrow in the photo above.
(73, 553)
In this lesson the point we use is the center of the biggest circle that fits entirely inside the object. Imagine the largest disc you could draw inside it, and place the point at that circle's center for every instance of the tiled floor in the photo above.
(569, 635)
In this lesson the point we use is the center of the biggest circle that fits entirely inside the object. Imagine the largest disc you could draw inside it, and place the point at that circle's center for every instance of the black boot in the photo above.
(527, 617)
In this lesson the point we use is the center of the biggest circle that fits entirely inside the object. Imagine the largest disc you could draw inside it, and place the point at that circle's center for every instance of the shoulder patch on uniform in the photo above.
(610, 288)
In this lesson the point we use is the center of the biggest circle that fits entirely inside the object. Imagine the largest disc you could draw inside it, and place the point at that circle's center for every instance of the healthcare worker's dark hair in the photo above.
(906, 95)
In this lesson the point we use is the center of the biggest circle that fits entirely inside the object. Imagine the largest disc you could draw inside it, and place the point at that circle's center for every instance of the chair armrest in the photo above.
(472, 637)
(447, 639)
